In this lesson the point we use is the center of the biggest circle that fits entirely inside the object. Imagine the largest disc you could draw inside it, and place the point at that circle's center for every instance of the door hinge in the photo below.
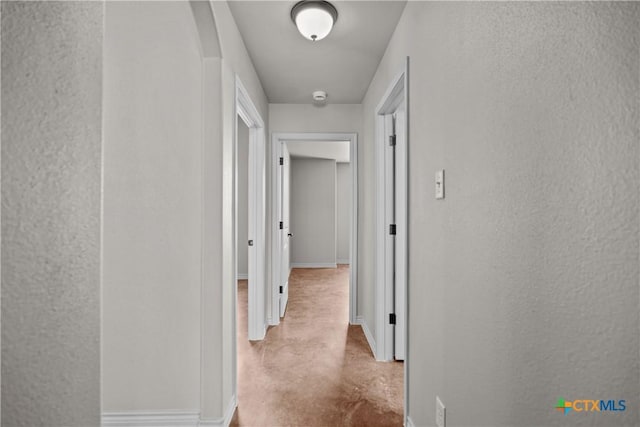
(281, 225)
(281, 161)
(392, 140)
(281, 289)
(392, 229)
(392, 318)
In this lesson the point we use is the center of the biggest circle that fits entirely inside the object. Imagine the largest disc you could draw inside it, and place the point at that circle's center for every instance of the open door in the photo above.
(285, 232)
(250, 212)
(392, 221)
(394, 245)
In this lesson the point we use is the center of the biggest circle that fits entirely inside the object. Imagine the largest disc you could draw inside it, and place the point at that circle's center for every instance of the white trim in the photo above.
(167, 418)
(242, 276)
(224, 421)
(409, 422)
(407, 237)
(275, 229)
(151, 419)
(248, 113)
(313, 265)
(367, 333)
(343, 261)
(231, 409)
(276, 143)
(353, 244)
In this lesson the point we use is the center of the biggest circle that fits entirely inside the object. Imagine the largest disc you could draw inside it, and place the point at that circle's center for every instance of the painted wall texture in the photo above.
(51, 163)
(311, 118)
(313, 212)
(152, 208)
(524, 281)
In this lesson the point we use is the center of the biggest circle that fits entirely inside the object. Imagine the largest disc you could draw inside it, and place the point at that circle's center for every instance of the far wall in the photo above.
(313, 212)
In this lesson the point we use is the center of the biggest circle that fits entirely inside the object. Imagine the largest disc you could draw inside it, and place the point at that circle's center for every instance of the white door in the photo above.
(390, 235)
(285, 233)
(395, 247)
(252, 267)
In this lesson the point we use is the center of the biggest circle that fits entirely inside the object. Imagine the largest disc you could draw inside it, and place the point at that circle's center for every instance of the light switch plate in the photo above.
(440, 184)
(440, 413)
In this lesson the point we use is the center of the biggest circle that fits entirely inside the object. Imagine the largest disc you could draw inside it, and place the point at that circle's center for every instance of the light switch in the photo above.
(440, 184)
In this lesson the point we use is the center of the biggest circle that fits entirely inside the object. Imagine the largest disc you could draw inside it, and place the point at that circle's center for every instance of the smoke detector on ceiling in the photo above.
(319, 96)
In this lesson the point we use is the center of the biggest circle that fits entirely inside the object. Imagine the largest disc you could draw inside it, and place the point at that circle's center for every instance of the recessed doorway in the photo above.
(282, 143)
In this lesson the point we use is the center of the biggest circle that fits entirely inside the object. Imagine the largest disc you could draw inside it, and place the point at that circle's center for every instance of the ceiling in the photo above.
(291, 67)
(336, 150)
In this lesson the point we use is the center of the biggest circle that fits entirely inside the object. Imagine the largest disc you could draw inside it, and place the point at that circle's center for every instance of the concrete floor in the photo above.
(314, 369)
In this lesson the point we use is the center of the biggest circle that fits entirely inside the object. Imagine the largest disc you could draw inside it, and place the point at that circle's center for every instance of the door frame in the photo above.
(276, 143)
(248, 113)
(283, 296)
(397, 94)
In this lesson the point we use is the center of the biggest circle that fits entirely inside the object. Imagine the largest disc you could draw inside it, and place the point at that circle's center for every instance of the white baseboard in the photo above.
(243, 276)
(343, 261)
(222, 422)
(314, 265)
(367, 333)
(167, 418)
(231, 409)
(151, 419)
(409, 422)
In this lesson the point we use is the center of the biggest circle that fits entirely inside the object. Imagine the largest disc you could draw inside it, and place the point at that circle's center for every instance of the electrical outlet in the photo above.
(440, 413)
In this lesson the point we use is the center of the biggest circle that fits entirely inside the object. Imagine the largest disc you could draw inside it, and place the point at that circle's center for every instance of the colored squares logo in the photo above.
(563, 406)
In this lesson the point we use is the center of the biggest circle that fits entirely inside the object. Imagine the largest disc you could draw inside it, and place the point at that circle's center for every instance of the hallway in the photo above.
(314, 369)
(120, 176)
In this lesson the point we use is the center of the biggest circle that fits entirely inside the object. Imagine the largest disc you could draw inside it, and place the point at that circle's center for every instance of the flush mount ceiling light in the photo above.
(314, 18)
(319, 96)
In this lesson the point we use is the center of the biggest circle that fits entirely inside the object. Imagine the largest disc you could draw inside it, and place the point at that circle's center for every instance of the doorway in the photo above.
(281, 233)
(249, 125)
(391, 289)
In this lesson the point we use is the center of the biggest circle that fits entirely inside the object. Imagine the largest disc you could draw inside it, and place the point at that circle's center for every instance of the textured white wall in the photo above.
(243, 197)
(310, 118)
(524, 280)
(313, 211)
(343, 211)
(152, 208)
(51, 154)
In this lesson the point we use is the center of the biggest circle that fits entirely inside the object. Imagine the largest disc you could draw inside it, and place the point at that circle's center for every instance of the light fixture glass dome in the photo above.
(314, 19)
